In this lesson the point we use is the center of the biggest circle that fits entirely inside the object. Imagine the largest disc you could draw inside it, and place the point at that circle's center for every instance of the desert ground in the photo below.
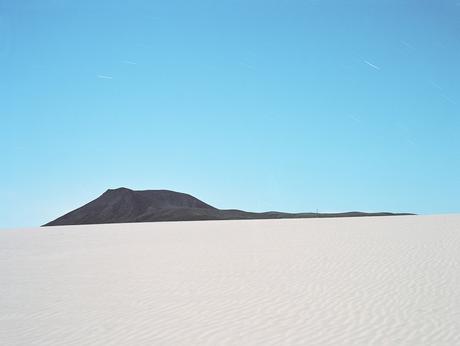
(347, 281)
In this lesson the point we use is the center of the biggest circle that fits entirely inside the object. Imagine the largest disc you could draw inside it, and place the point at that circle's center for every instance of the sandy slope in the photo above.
(352, 281)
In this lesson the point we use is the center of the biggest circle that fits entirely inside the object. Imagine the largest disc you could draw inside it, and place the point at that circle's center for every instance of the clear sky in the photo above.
(250, 104)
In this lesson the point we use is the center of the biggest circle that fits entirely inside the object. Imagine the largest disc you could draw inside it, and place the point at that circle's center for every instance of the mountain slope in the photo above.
(125, 205)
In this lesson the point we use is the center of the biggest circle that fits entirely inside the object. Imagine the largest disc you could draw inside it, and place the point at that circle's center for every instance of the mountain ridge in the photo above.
(123, 205)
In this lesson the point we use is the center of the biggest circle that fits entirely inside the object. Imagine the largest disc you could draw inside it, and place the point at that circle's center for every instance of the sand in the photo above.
(348, 281)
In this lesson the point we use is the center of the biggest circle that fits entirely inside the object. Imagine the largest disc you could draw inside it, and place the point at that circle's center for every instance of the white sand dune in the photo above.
(347, 281)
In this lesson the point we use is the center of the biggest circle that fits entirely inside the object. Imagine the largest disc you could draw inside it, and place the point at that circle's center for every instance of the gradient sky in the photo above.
(251, 104)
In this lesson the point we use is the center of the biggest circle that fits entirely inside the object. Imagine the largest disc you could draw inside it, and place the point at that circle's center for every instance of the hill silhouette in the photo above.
(125, 205)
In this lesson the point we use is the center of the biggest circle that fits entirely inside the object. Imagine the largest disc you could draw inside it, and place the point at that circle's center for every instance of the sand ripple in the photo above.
(365, 281)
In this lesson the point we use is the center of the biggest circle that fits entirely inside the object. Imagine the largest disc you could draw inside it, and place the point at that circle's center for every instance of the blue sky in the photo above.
(258, 105)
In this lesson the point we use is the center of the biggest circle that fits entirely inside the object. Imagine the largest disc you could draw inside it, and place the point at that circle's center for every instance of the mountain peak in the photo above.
(126, 205)
(118, 190)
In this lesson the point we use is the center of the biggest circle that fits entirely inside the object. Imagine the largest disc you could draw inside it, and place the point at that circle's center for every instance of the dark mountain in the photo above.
(125, 205)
